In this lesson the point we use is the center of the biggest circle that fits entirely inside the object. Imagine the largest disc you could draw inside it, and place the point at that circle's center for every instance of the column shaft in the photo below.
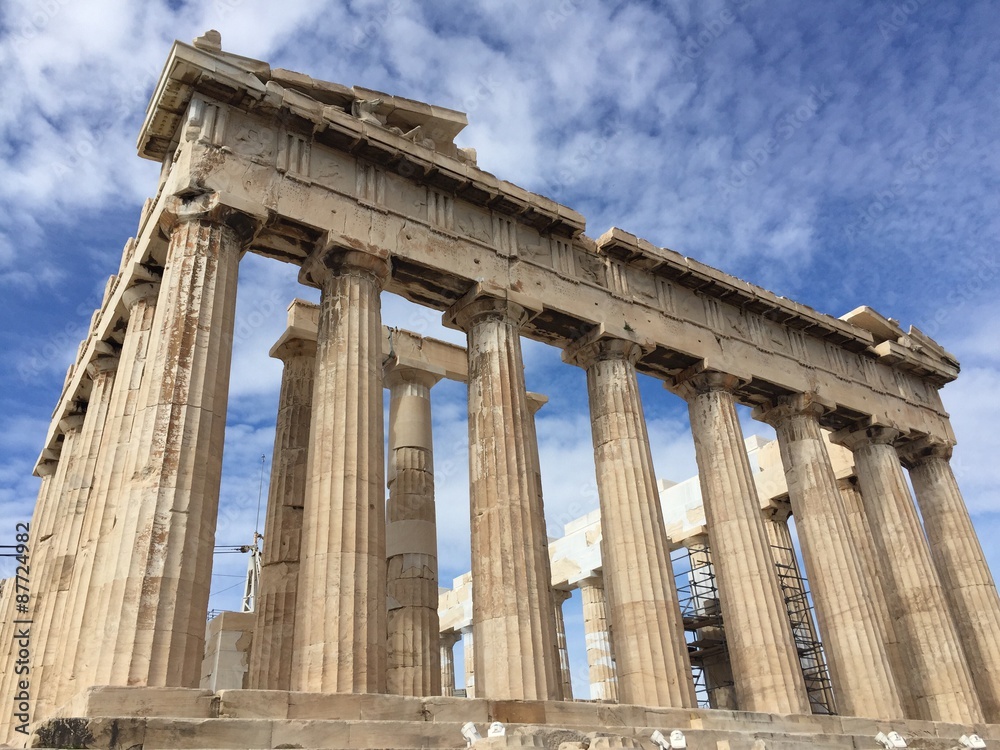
(566, 680)
(447, 648)
(600, 652)
(80, 502)
(412, 582)
(763, 655)
(173, 493)
(864, 546)
(718, 672)
(512, 618)
(113, 547)
(274, 612)
(340, 641)
(961, 566)
(469, 645)
(939, 676)
(653, 668)
(855, 652)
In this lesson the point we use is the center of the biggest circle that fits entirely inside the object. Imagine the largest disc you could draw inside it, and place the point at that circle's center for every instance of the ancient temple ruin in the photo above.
(368, 192)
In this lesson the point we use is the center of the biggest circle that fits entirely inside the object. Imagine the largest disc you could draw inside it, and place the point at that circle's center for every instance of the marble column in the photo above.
(173, 492)
(939, 676)
(447, 648)
(559, 596)
(855, 651)
(9, 646)
(340, 641)
(596, 630)
(512, 610)
(469, 646)
(653, 668)
(761, 649)
(112, 547)
(960, 563)
(51, 560)
(79, 503)
(794, 591)
(414, 666)
(271, 653)
(864, 546)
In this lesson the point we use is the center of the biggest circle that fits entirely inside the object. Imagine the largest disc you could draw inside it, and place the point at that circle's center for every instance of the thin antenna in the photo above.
(260, 492)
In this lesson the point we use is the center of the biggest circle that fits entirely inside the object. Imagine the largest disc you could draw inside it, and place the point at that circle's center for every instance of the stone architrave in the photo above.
(653, 668)
(112, 549)
(559, 597)
(960, 563)
(859, 666)
(175, 468)
(414, 666)
(939, 676)
(447, 647)
(513, 618)
(340, 641)
(271, 652)
(761, 649)
(600, 651)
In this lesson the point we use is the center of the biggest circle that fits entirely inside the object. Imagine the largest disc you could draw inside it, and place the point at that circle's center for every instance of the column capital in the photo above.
(858, 436)
(779, 409)
(245, 221)
(395, 373)
(778, 511)
(332, 259)
(485, 302)
(594, 578)
(848, 483)
(141, 292)
(289, 348)
(560, 595)
(915, 452)
(536, 401)
(697, 380)
(101, 364)
(46, 467)
(71, 423)
(450, 638)
(603, 343)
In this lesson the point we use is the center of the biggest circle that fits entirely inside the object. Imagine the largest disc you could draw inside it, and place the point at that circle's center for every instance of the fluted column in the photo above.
(653, 668)
(859, 666)
(51, 557)
(173, 492)
(793, 590)
(600, 651)
(411, 536)
(961, 565)
(54, 677)
(274, 611)
(469, 646)
(939, 676)
(512, 614)
(447, 648)
(340, 641)
(112, 546)
(864, 546)
(761, 649)
(9, 646)
(559, 596)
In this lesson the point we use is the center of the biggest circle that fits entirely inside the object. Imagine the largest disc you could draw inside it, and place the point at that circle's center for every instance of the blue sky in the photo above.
(837, 153)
